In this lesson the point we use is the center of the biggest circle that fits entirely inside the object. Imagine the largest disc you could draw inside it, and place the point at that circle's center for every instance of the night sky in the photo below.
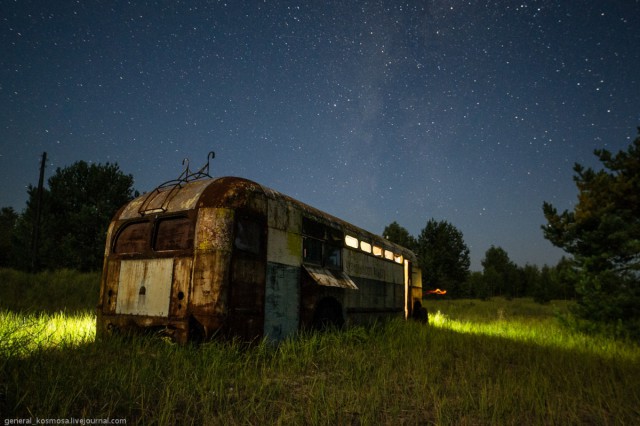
(471, 112)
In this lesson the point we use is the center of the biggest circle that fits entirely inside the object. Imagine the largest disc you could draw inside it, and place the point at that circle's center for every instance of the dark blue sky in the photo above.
(470, 112)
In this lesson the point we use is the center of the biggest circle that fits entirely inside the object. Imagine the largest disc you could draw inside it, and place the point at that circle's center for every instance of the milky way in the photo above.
(469, 112)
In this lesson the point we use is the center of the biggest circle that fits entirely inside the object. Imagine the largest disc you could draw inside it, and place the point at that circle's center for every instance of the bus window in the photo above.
(333, 258)
(173, 233)
(351, 241)
(335, 236)
(377, 251)
(388, 255)
(132, 238)
(365, 246)
(313, 229)
(248, 236)
(321, 244)
(312, 250)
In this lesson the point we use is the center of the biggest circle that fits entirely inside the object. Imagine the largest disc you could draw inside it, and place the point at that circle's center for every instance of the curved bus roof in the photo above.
(233, 192)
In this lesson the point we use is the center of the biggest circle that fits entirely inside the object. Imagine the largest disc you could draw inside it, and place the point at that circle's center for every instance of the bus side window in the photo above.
(312, 250)
(333, 258)
(248, 236)
(321, 244)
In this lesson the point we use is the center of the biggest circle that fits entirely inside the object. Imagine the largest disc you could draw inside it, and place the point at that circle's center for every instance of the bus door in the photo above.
(247, 280)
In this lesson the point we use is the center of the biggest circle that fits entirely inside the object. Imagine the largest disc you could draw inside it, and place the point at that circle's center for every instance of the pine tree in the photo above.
(602, 234)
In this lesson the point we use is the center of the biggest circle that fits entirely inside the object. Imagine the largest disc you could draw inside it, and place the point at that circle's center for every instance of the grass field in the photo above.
(493, 362)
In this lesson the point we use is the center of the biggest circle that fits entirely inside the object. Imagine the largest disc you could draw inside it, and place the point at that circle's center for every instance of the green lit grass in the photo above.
(494, 362)
(23, 334)
(524, 321)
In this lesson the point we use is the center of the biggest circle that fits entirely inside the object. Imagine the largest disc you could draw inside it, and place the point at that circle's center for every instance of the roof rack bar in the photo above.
(176, 184)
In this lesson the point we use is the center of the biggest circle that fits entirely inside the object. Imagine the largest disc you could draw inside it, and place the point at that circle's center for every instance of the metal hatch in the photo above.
(145, 287)
(326, 277)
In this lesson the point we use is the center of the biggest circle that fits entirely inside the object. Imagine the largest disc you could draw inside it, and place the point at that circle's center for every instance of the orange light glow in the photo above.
(436, 291)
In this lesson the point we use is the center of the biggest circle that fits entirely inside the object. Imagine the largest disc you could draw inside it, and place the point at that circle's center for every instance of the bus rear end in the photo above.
(154, 277)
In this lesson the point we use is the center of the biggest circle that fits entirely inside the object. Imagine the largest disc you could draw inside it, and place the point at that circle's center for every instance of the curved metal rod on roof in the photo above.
(175, 184)
(187, 175)
(204, 170)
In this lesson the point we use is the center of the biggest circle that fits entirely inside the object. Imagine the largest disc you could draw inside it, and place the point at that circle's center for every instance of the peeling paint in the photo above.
(144, 287)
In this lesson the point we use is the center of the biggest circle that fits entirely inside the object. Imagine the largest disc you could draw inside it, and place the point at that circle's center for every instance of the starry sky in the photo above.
(473, 112)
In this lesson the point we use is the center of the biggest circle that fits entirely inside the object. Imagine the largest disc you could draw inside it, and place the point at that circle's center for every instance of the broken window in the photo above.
(321, 244)
(333, 257)
(312, 250)
(248, 236)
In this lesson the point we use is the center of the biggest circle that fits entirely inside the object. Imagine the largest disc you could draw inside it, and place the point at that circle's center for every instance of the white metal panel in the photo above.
(145, 287)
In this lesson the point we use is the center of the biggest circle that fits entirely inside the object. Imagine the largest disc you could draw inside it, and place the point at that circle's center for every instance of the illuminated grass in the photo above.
(23, 334)
(495, 362)
(525, 321)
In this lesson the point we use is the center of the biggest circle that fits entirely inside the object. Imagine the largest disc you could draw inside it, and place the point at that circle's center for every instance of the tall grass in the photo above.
(525, 321)
(49, 291)
(495, 362)
(22, 334)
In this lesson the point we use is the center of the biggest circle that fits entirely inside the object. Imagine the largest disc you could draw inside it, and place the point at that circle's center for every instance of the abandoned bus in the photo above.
(227, 256)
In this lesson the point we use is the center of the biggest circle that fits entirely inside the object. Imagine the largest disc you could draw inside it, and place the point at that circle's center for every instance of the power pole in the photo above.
(36, 223)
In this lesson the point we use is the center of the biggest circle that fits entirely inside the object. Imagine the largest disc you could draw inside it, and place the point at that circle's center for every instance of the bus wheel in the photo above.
(328, 315)
(420, 313)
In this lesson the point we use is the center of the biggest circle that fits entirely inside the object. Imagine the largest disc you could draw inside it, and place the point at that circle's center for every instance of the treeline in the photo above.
(443, 257)
(501, 277)
(74, 213)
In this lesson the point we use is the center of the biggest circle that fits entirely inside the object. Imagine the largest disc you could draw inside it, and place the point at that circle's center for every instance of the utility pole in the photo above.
(36, 223)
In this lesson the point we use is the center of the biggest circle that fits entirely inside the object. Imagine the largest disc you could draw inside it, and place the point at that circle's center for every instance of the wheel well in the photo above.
(328, 314)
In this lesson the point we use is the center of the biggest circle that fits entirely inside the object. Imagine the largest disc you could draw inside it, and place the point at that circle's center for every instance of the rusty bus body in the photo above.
(228, 256)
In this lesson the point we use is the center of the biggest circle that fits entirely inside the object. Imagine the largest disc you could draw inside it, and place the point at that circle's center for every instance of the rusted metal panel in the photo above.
(214, 230)
(381, 282)
(330, 278)
(359, 264)
(145, 287)
(184, 199)
(283, 214)
(209, 283)
(282, 295)
(180, 289)
(110, 286)
(246, 302)
(110, 231)
(232, 192)
(212, 261)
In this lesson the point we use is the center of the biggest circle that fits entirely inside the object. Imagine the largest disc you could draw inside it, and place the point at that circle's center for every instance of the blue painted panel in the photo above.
(281, 301)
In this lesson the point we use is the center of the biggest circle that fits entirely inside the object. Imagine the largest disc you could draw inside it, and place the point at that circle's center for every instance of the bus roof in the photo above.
(233, 192)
